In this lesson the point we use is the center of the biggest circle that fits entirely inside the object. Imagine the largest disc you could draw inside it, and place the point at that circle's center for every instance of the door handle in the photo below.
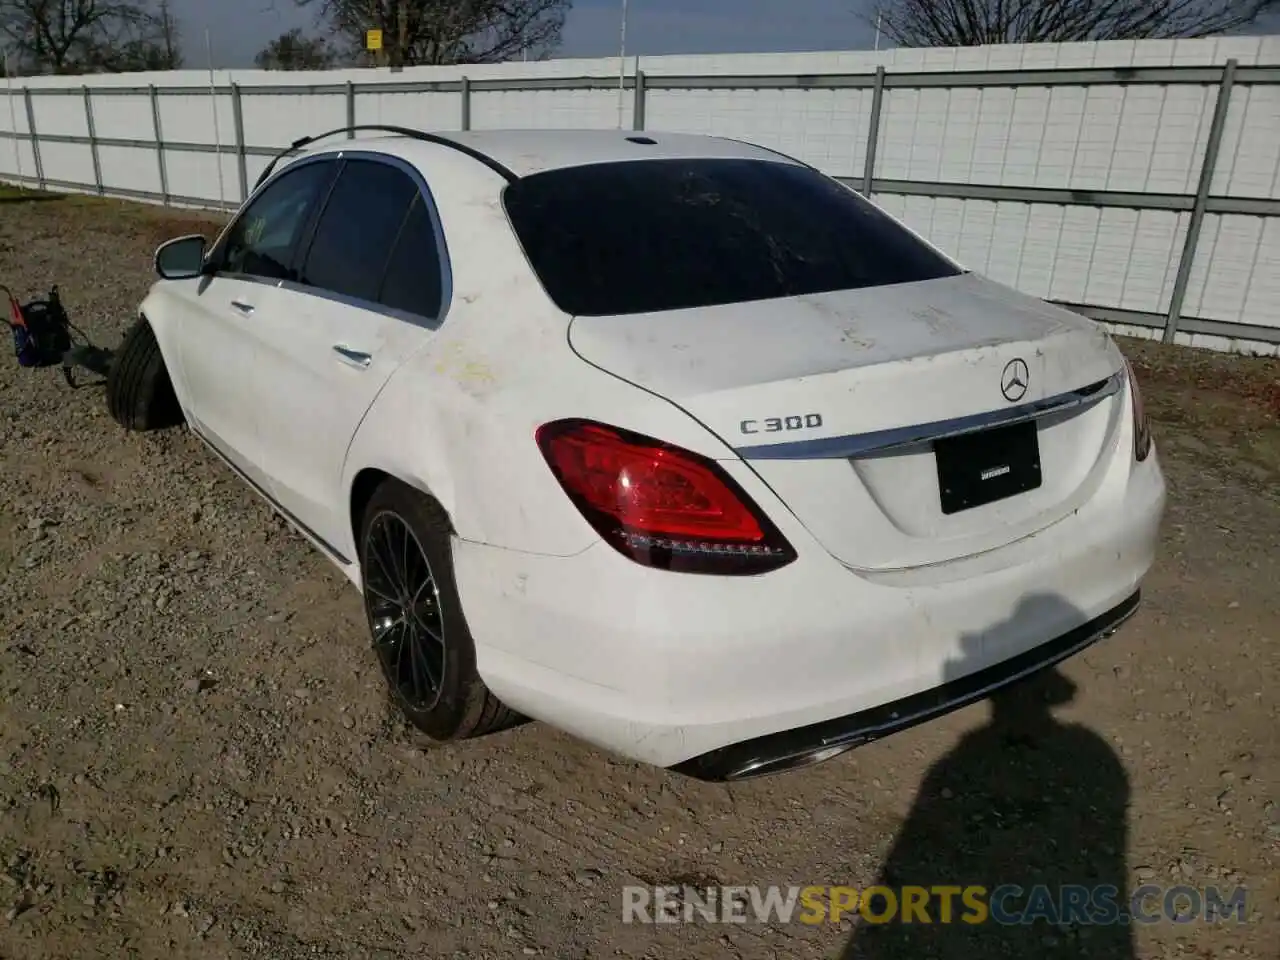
(353, 357)
(245, 308)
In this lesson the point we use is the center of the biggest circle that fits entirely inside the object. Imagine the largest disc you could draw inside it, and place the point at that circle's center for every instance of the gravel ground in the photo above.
(196, 758)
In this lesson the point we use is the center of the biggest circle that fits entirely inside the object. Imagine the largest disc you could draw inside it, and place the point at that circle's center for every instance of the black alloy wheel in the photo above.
(402, 600)
(419, 630)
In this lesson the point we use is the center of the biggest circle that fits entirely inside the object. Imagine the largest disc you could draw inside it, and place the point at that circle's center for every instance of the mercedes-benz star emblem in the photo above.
(1013, 382)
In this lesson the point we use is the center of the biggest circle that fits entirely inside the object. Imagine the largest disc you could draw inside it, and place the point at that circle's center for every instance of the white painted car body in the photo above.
(887, 598)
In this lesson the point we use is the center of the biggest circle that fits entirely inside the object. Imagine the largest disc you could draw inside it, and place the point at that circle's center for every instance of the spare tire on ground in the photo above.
(140, 394)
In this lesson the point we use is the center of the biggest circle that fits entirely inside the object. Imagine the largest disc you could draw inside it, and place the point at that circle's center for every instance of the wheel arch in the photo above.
(363, 485)
(169, 359)
(139, 389)
(156, 312)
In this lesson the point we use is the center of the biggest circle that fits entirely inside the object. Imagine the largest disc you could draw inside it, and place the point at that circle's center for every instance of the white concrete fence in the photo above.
(1138, 183)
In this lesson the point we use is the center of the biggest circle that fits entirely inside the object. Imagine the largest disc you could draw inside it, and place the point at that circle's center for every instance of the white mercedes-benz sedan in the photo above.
(669, 441)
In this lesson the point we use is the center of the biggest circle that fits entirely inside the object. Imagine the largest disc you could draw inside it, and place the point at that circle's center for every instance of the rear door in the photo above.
(217, 344)
(371, 289)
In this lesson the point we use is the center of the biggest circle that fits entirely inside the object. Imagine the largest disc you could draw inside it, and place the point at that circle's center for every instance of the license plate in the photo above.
(981, 468)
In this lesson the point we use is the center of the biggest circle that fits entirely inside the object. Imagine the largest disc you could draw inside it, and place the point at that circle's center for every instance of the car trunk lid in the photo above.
(840, 402)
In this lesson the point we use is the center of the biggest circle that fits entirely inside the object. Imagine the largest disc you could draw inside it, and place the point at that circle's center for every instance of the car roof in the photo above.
(526, 152)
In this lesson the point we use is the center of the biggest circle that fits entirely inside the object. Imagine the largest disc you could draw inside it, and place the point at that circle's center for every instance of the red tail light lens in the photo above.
(658, 504)
(1141, 428)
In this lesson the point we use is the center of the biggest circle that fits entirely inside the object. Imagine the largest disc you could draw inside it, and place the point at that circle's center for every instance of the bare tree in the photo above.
(294, 51)
(449, 31)
(77, 36)
(154, 44)
(971, 23)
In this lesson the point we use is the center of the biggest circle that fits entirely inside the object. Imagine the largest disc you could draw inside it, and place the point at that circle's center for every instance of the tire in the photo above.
(140, 395)
(462, 706)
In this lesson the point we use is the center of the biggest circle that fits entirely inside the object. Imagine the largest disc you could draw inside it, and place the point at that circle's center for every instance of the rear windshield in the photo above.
(651, 235)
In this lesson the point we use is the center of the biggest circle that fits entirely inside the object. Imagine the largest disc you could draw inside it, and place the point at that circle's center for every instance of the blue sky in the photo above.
(239, 28)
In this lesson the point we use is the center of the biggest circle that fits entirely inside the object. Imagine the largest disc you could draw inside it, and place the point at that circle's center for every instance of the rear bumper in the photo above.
(697, 673)
(821, 741)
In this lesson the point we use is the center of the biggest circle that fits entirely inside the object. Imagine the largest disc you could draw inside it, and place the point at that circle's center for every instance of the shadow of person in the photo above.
(1029, 808)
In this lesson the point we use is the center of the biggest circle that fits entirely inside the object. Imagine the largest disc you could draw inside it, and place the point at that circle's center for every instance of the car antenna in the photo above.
(301, 142)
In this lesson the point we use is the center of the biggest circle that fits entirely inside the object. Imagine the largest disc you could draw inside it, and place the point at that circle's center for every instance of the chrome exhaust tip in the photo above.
(787, 762)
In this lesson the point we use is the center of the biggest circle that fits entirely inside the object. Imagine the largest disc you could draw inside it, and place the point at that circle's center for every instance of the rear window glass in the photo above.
(652, 235)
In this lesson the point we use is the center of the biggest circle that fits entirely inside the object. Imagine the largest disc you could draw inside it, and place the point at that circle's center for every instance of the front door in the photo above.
(218, 346)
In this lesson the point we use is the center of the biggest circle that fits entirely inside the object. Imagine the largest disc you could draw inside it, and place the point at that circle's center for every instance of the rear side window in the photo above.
(413, 279)
(359, 228)
(653, 235)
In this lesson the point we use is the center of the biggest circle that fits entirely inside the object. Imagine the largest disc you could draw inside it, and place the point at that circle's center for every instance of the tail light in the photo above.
(1141, 428)
(658, 504)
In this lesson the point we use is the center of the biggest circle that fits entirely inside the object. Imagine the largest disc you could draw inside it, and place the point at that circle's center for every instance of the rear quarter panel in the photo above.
(458, 420)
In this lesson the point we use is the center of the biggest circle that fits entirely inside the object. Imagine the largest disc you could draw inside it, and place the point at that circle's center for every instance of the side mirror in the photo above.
(181, 259)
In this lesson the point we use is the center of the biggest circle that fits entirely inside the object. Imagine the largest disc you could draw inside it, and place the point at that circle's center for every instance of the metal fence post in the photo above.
(237, 114)
(1208, 168)
(873, 134)
(637, 108)
(35, 137)
(351, 109)
(93, 140)
(466, 103)
(159, 134)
